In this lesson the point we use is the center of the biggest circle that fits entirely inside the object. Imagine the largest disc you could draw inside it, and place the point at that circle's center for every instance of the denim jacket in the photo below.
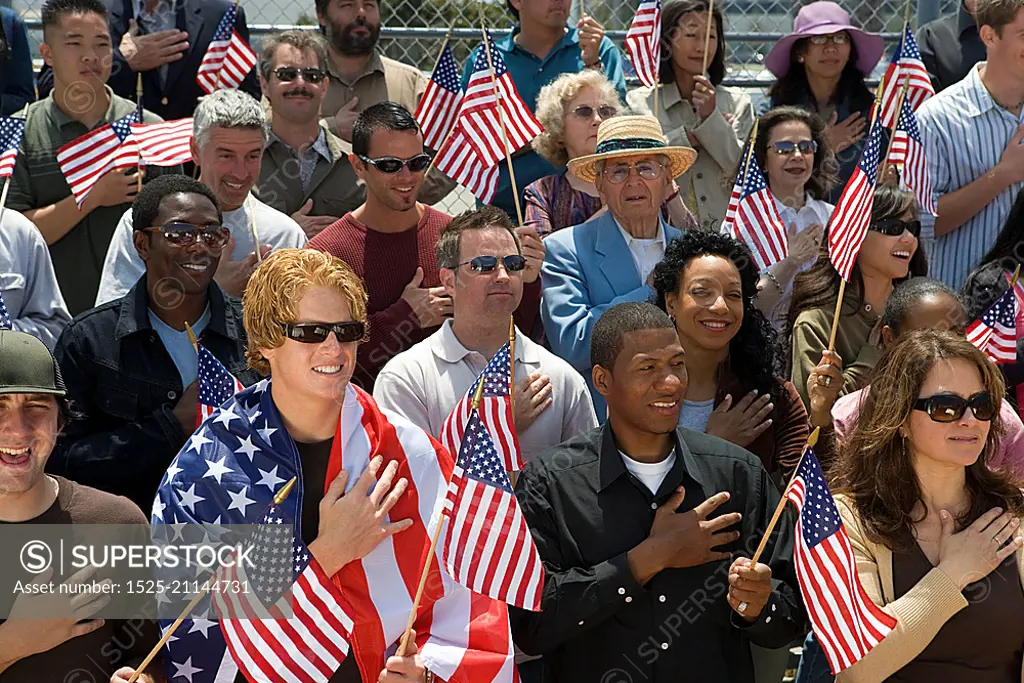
(121, 379)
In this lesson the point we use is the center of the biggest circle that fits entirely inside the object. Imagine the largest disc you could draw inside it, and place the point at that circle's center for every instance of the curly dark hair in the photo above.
(793, 87)
(823, 172)
(755, 355)
(875, 467)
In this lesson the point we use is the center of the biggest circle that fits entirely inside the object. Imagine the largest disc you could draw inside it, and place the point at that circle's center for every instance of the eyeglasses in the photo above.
(785, 148)
(894, 227)
(316, 333)
(950, 407)
(834, 38)
(389, 165)
(186, 234)
(619, 173)
(585, 111)
(487, 264)
(287, 74)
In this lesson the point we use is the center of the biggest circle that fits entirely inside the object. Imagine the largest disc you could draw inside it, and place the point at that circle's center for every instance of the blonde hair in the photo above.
(275, 288)
(551, 103)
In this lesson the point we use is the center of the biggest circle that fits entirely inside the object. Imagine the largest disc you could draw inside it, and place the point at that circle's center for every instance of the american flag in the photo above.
(228, 59)
(995, 332)
(5, 315)
(908, 151)
(164, 144)
(228, 473)
(643, 42)
(852, 215)
(294, 624)
(459, 161)
(489, 548)
(11, 131)
(848, 624)
(440, 102)
(753, 218)
(907, 67)
(495, 411)
(84, 160)
(216, 385)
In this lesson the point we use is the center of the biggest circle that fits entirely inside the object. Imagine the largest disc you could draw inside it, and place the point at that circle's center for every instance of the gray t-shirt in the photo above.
(695, 414)
(178, 345)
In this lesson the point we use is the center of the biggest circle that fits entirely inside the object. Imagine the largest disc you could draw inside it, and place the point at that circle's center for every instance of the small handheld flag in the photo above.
(643, 42)
(228, 59)
(995, 332)
(215, 385)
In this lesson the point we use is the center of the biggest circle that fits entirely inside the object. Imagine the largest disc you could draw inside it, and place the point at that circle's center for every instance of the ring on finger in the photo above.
(828, 380)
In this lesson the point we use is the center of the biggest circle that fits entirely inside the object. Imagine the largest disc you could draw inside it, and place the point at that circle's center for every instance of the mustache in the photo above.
(299, 91)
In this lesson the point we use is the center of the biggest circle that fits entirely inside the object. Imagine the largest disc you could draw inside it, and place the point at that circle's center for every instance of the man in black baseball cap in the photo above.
(33, 410)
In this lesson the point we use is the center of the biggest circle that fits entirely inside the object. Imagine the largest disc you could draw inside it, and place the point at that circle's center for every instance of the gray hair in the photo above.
(227, 109)
(303, 41)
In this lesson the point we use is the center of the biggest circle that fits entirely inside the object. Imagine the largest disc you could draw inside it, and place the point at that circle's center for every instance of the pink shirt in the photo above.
(1011, 446)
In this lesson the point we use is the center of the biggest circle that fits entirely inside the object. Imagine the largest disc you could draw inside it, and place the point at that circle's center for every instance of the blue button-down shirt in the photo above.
(530, 73)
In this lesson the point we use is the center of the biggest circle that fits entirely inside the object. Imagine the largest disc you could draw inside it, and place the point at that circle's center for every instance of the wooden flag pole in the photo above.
(3, 199)
(512, 361)
(278, 499)
(501, 119)
(192, 337)
(750, 151)
(138, 100)
(707, 37)
(884, 163)
(404, 645)
(252, 228)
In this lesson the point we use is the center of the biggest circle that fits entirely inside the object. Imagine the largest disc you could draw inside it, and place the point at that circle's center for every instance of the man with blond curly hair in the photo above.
(367, 484)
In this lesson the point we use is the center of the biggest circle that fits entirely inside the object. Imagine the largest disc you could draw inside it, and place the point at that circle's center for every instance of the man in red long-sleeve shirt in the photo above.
(389, 241)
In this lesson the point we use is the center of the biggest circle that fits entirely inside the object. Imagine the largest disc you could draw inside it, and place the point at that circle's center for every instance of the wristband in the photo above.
(771, 276)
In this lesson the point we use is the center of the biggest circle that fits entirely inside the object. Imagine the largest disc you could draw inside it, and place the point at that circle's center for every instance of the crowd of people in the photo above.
(664, 387)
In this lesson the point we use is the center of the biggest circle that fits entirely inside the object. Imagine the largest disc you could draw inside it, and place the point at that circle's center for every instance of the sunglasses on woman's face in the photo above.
(186, 234)
(950, 407)
(487, 264)
(316, 333)
(894, 227)
(785, 148)
(390, 165)
(585, 111)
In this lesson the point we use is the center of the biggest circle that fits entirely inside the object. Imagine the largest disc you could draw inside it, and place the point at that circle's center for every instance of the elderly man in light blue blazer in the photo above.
(607, 260)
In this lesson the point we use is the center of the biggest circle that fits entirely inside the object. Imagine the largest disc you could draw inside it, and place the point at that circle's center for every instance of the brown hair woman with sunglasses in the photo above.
(936, 532)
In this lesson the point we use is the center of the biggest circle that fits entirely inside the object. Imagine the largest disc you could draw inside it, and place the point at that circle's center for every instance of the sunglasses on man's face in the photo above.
(287, 74)
(316, 333)
(487, 264)
(389, 165)
(894, 227)
(950, 407)
(186, 234)
(785, 148)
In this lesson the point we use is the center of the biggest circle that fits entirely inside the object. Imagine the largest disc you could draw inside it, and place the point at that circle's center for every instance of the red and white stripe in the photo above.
(853, 216)
(164, 144)
(496, 414)
(7, 161)
(643, 42)
(85, 160)
(481, 119)
(459, 161)
(830, 586)
(998, 343)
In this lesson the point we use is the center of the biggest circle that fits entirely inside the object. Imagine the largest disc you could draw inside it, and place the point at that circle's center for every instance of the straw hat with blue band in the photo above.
(630, 136)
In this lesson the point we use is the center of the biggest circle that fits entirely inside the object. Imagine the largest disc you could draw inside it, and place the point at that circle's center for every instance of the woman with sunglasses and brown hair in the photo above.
(888, 254)
(936, 533)
(695, 109)
(571, 108)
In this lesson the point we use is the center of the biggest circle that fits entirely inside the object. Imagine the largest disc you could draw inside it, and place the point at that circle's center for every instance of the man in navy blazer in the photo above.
(607, 260)
(166, 46)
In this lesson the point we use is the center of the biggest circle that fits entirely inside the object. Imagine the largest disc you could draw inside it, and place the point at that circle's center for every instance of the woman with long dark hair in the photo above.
(932, 527)
(821, 66)
(695, 109)
(707, 283)
(888, 255)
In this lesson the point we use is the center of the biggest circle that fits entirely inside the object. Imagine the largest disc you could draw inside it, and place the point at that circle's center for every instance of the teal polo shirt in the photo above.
(530, 73)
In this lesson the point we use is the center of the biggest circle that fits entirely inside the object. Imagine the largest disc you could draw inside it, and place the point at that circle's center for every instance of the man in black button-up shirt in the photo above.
(951, 46)
(639, 585)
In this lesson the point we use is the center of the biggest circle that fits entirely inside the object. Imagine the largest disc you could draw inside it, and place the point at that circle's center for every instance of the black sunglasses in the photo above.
(287, 74)
(950, 407)
(186, 234)
(316, 333)
(389, 165)
(487, 264)
(894, 227)
(786, 147)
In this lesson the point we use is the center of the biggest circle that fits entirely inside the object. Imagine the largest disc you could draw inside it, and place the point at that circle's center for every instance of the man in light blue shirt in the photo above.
(972, 133)
(540, 49)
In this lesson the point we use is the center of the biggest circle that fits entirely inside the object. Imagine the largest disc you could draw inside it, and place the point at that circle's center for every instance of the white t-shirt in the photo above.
(650, 473)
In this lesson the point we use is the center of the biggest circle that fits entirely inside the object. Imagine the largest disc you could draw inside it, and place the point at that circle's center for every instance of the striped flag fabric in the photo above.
(852, 215)
(495, 411)
(164, 144)
(84, 160)
(439, 105)
(11, 131)
(906, 66)
(228, 59)
(460, 162)
(845, 620)
(215, 385)
(292, 624)
(643, 42)
(753, 218)
(995, 332)
(908, 152)
(5, 315)
(488, 548)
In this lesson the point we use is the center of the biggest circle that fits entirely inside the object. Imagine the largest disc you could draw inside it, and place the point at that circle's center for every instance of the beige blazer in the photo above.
(921, 612)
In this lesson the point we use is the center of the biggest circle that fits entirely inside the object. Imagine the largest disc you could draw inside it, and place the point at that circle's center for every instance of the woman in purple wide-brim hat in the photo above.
(821, 67)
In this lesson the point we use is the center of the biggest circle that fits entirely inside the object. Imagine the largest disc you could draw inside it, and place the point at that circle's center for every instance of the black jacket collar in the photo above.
(612, 466)
(133, 315)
